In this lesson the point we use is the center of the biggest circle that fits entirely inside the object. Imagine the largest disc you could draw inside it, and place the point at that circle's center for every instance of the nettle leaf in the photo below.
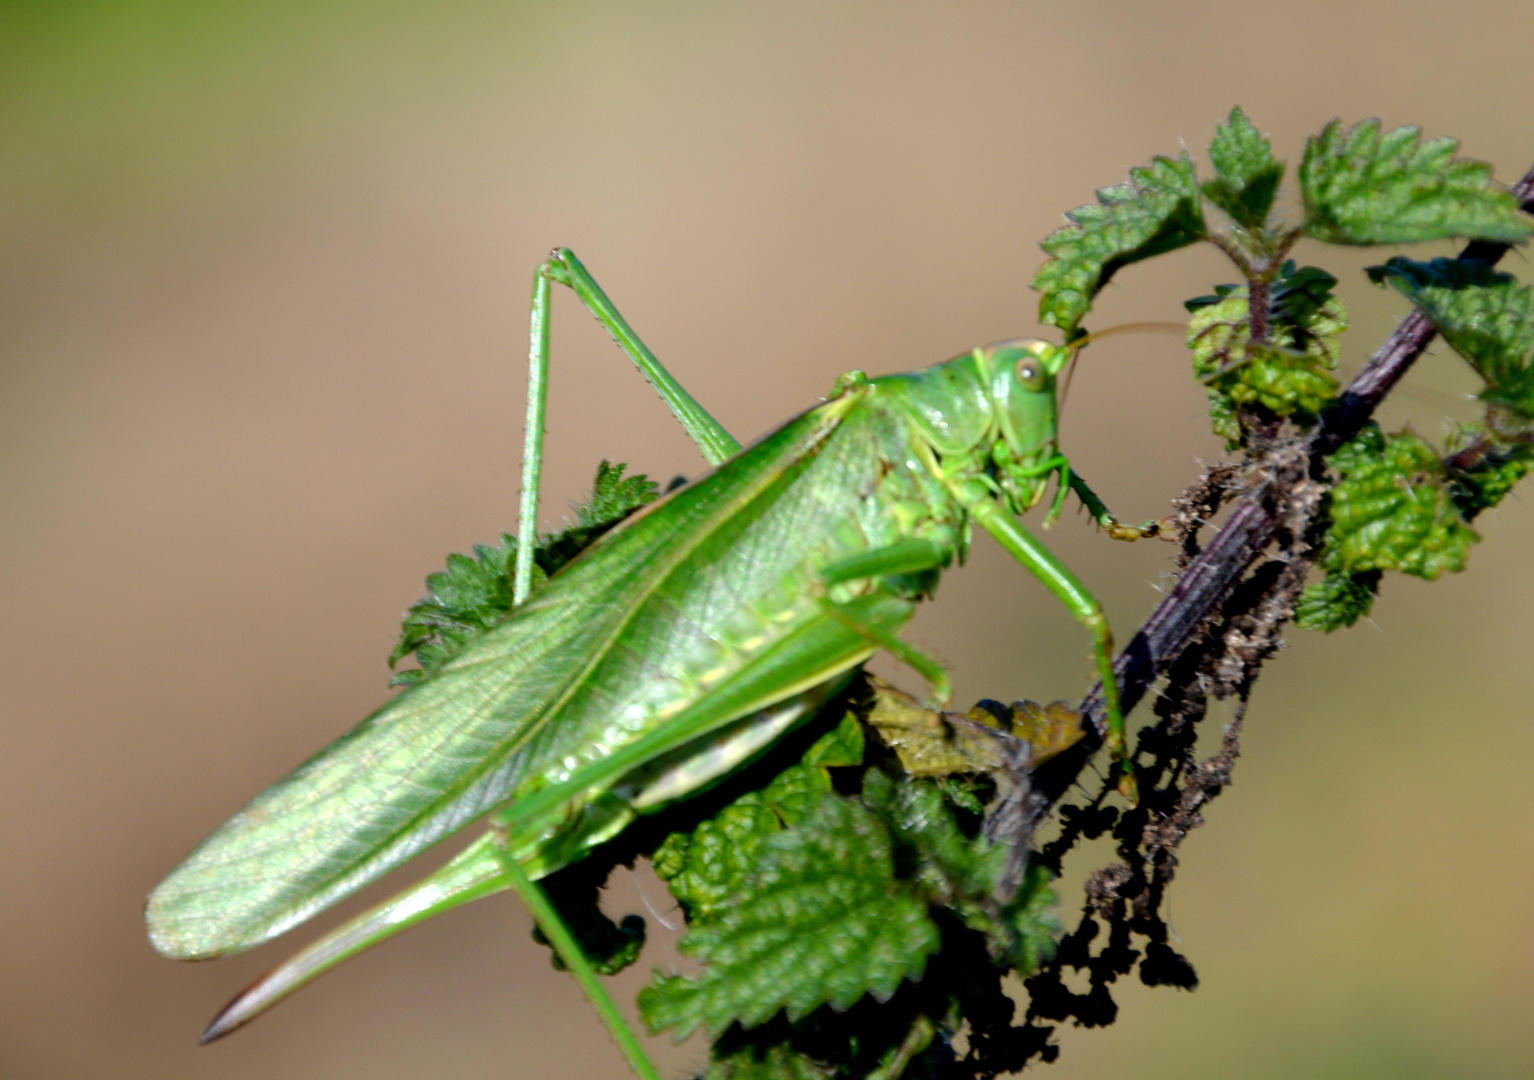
(1336, 601)
(1392, 509)
(1246, 176)
(949, 863)
(1485, 316)
(821, 920)
(706, 868)
(1362, 187)
(1156, 211)
(1290, 373)
(613, 498)
(1031, 922)
(473, 594)
(461, 602)
(810, 909)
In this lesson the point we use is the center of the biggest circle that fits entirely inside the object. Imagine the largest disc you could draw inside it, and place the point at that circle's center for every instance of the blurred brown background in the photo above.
(263, 280)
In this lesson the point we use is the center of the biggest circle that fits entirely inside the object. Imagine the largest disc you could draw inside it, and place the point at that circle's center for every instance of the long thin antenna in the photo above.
(1122, 328)
(1128, 328)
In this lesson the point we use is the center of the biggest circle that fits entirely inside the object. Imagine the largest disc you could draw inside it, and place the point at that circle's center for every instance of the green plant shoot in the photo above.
(671, 651)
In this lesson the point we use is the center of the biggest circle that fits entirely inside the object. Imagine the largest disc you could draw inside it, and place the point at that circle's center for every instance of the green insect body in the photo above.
(668, 653)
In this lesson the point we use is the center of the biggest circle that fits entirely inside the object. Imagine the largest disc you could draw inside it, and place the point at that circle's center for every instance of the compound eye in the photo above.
(1030, 373)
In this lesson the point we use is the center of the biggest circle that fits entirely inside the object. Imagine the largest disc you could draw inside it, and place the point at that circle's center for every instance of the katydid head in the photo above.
(1021, 381)
(991, 409)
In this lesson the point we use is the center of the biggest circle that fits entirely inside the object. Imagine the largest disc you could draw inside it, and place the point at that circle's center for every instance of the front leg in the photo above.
(1116, 529)
(1041, 562)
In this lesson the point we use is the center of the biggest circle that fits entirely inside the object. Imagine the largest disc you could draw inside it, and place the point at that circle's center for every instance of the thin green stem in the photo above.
(569, 951)
(532, 439)
(916, 1040)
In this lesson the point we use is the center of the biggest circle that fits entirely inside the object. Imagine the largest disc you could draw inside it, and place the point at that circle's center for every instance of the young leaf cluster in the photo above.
(1289, 373)
(474, 593)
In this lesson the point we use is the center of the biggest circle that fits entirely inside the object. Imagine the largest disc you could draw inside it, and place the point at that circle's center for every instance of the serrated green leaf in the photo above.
(1484, 315)
(469, 597)
(822, 920)
(841, 747)
(1391, 509)
(1361, 187)
(1156, 211)
(1289, 374)
(1031, 923)
(473, 594)
(796, 791)
(1246, 176)
(614, 495)
(613, 498)
(707, 867)
(1336, 601)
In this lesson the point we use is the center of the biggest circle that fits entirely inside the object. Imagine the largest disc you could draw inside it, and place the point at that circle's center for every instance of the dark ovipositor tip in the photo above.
(231, 1016)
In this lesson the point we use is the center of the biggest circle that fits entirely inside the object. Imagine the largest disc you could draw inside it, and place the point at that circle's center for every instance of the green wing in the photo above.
(813, 656)
(462, 742)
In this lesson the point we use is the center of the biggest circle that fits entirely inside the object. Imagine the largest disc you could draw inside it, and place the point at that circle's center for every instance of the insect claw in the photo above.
(1127, 786)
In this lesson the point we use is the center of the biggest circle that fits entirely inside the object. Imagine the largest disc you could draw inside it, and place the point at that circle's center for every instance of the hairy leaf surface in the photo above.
(1336, 601)
(1246, 175)
(1156, 211)
(1486, 316)
(1364, 187)
(821, 919)
(1391, 509)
